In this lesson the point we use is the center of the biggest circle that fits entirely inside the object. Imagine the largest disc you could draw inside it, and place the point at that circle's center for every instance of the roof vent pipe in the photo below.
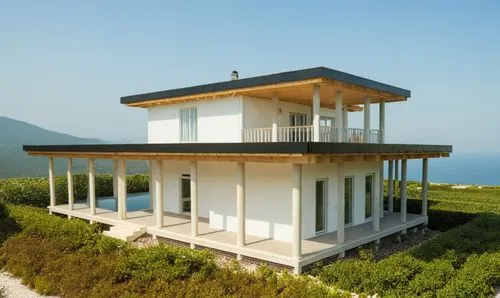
(234, 75)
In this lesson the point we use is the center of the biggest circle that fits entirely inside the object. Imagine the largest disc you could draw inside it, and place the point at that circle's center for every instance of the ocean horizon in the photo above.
(459, 168)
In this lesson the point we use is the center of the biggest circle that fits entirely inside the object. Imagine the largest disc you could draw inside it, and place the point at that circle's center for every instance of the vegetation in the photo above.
(35, 191)
(71, 258)
(464, 261)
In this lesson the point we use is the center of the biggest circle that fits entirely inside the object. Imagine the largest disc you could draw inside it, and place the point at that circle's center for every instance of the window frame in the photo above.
(188, 134)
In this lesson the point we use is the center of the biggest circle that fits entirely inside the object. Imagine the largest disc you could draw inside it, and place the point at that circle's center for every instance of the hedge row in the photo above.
(463, 262)
(70, 258)
(35, 191)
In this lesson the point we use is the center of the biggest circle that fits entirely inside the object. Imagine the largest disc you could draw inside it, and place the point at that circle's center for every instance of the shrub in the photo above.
(433, 277)
(35, 191)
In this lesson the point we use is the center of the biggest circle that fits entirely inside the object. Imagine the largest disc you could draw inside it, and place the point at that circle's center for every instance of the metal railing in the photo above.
(295, 133)
(349, 135)
(257, 135)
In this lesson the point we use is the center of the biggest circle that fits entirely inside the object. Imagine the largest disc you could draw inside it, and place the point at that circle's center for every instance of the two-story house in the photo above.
(264, 168)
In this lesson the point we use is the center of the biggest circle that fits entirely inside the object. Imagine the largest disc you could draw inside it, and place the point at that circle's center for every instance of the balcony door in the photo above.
(369, 195)
(298, 120)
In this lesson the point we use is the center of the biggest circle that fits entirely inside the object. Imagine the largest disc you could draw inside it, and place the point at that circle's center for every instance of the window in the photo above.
(348, 199)
(321, 199)
(325, 121)
(186, 193)
(298, 119)
(188, 125)
(369, 192)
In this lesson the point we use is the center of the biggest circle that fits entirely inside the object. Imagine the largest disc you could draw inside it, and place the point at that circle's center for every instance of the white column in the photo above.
(345, 117)
(71, 198)
(316, 106)
(240, 204)
(115, 178)
(381, 189)
(396, 177)
(151, 185)
(194, 198)
(425, 186)
(158, 191)
(91, 191)
(52, 188)
(376, 207)
(390, 186)
(403, 191)
(340, 203)
(381, 122)
(122, 189)
(339, 123)
(297, 210)
(274, 131)
(366, 120)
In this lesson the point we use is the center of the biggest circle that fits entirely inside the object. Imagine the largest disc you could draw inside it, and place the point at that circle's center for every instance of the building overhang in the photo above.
(293, 86)
(300, 152)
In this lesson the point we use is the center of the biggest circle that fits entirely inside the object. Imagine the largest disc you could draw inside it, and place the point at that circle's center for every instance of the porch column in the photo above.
(52, 188)
(115, 178)
(390, 186)
(339, 123)
(151, 185)
(122, 189)
(403, 190)
(240, 204)
(396, 177)
(381, 122)
(340, 204)
(274, 132)
(316, 106)
(345, 117)
(194, 198)
(297, 211)
(71, 198)
(376, 207)
(366, 120)
(91, 191)
(425, 185)
(158, 191)
(381, 189)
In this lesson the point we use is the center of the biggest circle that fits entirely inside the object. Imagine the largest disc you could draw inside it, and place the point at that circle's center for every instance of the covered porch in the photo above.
(178, 227)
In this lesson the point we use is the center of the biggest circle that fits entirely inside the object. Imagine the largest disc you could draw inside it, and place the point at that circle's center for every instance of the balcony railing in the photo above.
(257, 135)
(306, 134)
(295, 134)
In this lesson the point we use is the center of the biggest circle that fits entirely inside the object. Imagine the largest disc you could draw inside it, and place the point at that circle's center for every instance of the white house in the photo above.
(262, 168)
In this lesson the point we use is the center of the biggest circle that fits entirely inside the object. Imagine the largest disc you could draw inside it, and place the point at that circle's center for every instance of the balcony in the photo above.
(306, 134)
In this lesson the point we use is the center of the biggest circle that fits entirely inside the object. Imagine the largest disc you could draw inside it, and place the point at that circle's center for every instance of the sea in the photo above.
(459, 168)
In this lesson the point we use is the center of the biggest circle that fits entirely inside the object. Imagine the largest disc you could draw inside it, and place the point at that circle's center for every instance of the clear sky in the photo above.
(65, 64)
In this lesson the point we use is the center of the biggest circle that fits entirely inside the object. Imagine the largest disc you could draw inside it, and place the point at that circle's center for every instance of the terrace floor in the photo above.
(178, 227)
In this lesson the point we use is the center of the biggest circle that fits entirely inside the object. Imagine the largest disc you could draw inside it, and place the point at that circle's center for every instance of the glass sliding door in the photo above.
(186, 193)
(348, 199)
(369, 192)
(321, 199)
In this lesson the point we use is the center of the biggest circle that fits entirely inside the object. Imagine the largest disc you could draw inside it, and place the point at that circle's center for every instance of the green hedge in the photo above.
(70, 258)
(462, 262)
(35, 191)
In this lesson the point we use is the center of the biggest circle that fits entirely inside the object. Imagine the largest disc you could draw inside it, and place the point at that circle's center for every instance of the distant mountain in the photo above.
(14, 162)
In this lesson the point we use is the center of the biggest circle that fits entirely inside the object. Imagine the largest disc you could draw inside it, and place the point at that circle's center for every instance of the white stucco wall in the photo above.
(218, 121)
(268, 195)
(258, 113)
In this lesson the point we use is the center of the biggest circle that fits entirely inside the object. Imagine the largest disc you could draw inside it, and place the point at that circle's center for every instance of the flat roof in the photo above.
(217, 151)
(272, 79)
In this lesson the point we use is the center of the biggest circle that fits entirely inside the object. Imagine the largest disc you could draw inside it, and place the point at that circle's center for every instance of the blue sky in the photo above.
(64, 64)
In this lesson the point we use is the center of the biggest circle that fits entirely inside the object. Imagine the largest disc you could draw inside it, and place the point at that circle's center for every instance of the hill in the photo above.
(14, 162)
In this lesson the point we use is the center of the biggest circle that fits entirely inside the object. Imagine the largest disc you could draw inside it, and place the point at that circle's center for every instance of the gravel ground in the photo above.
(13, 288)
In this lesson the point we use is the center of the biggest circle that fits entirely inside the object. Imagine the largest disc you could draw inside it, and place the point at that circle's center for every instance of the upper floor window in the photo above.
(188, 125)
(326, 121)
(298, 119)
